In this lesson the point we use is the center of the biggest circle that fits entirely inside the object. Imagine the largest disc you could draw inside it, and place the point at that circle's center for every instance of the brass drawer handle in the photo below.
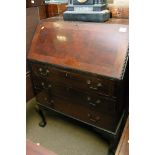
(45, 99)
(99, 84)
(88, 98)
(47, 71)
(93, 104)
(49, 86)
(94, 88)
(40, 69)
(43, 73)
(98, 101)
(52, 101)
(95, 119)
(88, 82)
(66, 74)
(45, 87)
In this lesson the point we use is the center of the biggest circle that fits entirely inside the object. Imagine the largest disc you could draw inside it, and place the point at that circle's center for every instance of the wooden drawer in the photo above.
(93, 101)
(90, 83)
(78, 111)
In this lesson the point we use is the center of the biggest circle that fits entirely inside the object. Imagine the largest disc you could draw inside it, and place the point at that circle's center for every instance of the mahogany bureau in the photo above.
(79, 70)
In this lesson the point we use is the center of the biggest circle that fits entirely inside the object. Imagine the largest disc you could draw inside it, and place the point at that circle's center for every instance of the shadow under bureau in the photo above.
(79, 69)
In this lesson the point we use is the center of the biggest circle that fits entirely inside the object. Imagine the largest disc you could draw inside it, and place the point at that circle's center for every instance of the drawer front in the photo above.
(93, 101)
(90, 83)
(78, 111)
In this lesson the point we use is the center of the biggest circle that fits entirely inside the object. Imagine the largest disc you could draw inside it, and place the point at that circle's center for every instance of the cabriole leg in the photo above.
(43, 120)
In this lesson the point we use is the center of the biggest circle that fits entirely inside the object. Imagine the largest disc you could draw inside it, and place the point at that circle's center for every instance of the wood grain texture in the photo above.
(123, 146)
(62, 8)
(51, 10)
(55, 9)
(34, 149)
(82, 46)
(42, 12)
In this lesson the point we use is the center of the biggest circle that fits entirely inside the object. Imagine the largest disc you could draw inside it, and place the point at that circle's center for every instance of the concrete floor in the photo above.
(63, 136)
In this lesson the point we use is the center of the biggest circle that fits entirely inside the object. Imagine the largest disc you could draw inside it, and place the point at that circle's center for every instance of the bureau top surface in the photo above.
(98, 48)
